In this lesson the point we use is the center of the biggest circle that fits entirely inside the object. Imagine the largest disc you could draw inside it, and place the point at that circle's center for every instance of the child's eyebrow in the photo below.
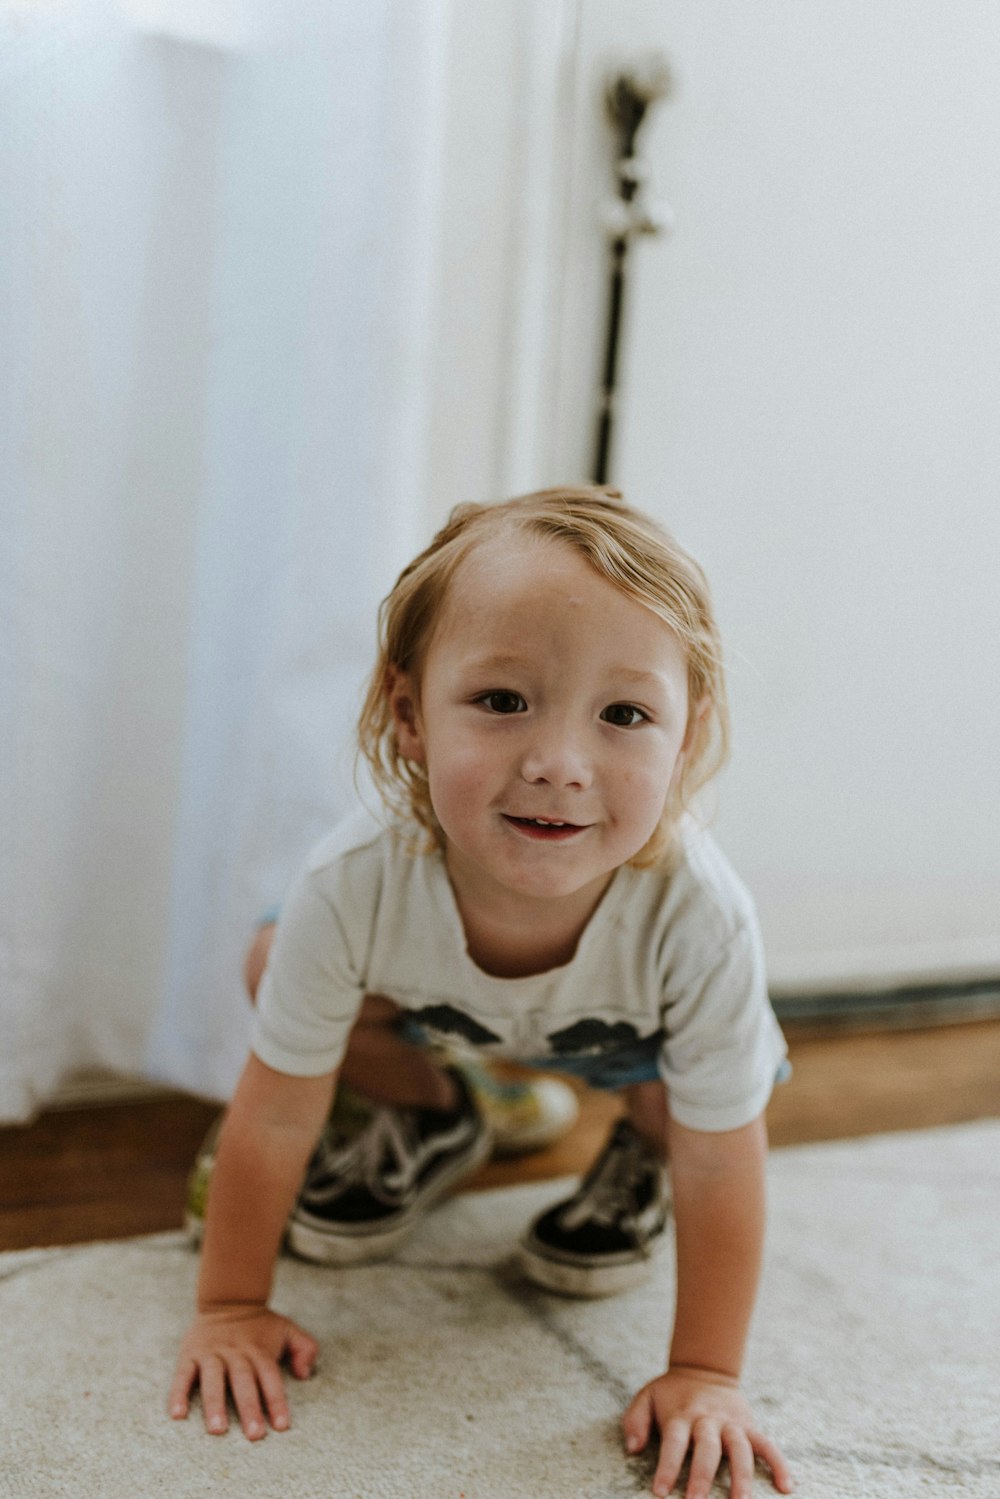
(653, 678)
(653, 681)
(497, 663)
(504, 661)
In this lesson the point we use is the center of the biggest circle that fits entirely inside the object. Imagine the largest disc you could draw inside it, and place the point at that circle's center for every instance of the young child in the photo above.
(548, 697)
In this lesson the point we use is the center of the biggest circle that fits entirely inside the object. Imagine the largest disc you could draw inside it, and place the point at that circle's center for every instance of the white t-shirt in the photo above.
(675, 954)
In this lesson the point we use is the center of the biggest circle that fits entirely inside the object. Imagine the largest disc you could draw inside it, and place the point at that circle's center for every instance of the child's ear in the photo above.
(405, 710)
(696, 718)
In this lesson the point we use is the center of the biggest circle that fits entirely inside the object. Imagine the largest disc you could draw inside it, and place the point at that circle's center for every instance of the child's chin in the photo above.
(556, 885)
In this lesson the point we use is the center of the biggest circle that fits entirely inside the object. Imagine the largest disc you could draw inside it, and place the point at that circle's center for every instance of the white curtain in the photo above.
(216, 254)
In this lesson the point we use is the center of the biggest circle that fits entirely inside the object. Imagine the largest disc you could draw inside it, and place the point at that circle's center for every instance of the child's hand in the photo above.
(240, 1346)
(706, 1413)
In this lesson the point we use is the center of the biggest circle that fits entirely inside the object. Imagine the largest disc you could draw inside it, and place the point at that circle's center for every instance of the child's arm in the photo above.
(718, 1186)
(270, 1129)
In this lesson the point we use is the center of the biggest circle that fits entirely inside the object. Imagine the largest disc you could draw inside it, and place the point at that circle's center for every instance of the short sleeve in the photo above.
(311, 990)
(723, 1046)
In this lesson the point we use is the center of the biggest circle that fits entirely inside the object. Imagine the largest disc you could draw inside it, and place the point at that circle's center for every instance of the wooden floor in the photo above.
(103, 1173)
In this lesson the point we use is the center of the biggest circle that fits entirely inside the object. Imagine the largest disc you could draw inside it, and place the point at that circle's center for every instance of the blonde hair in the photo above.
(628, 549)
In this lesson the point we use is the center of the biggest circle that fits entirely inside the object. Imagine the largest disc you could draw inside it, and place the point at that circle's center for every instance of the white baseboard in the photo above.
(863, 969)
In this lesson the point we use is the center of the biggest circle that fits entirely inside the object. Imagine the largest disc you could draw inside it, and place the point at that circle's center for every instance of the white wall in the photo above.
(813, 398)
(503, 202)
(810, 401)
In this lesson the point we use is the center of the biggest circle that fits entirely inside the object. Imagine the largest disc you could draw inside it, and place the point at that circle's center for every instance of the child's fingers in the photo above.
(637, 1420)
(673, 1449)
(212, 1378)
(273, 1387)
(178, 1401)
(246, 1398)
(705, 1458)
(302, 1352)
(740, 1455)
(242, 1361)
(774, 1457)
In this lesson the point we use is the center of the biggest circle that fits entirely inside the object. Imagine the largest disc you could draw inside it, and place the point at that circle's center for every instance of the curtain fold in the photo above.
(211, 443)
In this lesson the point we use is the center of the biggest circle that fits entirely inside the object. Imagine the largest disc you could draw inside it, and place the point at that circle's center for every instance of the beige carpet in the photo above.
(875, 1359)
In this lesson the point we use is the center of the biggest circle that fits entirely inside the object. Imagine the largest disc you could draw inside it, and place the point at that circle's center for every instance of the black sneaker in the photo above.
(605, 1237)
(350, 1115)
(362, 1197)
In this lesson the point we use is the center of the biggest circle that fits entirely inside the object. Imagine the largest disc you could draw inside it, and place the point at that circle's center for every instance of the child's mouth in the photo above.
(540, 827)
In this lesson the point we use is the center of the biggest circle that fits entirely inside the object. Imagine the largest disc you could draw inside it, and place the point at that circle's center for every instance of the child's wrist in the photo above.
(222, 1309)
(703, 1371)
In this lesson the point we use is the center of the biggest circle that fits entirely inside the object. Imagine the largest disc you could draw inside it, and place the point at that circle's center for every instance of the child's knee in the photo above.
(256, 959)
(647, 1108)
(377, 1010)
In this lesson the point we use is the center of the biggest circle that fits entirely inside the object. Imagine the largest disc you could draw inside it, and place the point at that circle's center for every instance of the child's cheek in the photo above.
(645, 794)
(458, 781)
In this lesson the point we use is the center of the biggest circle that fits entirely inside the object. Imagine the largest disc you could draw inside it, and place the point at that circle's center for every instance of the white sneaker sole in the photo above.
(311, 1238)
(587, 1282)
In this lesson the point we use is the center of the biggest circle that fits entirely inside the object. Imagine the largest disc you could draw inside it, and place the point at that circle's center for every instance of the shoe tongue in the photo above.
(436, 1118)
(627, 1137)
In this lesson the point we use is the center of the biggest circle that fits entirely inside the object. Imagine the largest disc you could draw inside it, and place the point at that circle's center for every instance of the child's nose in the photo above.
(556, 757)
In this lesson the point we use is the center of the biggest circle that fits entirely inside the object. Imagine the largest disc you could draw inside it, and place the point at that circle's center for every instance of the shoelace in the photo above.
(360, 1161)
(386, 1158)
(608, 1195)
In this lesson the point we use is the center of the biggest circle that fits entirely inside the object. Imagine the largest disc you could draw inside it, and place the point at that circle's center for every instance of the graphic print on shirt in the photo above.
(593, 1037)
(445, 1020)
(589, 1037)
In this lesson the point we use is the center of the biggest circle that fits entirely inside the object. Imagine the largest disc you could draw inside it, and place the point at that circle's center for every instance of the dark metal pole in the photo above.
(606, 408)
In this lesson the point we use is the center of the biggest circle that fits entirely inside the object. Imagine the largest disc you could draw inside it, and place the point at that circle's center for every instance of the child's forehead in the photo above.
(513, 581)
(508, 558)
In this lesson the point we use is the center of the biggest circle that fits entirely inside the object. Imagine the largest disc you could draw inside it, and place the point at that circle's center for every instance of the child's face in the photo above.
(545, 693)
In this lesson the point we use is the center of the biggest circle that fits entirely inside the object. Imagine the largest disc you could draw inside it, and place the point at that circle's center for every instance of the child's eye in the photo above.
(623, 715)
(503, 702)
